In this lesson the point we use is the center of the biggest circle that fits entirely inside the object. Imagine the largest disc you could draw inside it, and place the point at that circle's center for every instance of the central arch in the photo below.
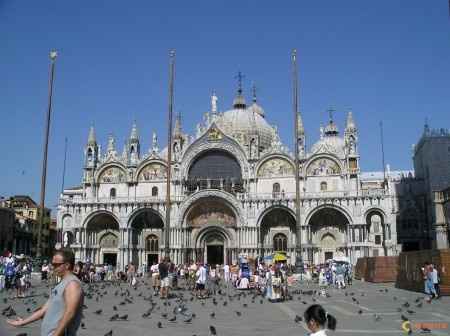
(211, 224)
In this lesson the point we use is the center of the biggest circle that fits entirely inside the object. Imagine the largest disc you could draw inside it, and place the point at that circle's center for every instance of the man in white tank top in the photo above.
(62, 312)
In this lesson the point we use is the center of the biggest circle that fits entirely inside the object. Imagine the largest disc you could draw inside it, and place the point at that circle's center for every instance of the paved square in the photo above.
(362, 309)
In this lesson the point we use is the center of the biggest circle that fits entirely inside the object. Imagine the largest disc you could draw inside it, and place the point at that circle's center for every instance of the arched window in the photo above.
(276, 189)
(112, 193)
(323, 186)
(152, 244)
(280, 242)
(155, 191)
(89, 154)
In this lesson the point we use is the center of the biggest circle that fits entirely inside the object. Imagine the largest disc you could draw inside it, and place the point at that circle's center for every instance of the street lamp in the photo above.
(53, 55)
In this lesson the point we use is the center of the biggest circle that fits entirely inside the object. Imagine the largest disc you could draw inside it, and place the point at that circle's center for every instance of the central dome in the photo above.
(243, 122)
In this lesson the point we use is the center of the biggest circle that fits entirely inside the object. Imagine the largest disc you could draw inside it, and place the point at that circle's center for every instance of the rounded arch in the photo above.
(271, 208)
(203, 233)
(326, 164)
(148, 165)
(66, 220)
(95, 216)
(157, 220)
(227, 198)
(280, 164)
(114, 172)
(280, 242)
(331, 206)
(374, 210)
(203, 145)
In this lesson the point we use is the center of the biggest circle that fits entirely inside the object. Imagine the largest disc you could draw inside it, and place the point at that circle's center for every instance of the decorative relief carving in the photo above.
(112, 175)
(214, 134)
(208, 194)
(323, 167)
(152, 171)
(275, 168)
(211, 212)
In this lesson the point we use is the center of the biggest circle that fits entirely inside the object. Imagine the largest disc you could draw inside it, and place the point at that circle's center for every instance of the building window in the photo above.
(112, 193)
(30, 213)
(323, 186)
(155, 191)
(276, 189)
(378, 239)
(280, 242)
(152, 243)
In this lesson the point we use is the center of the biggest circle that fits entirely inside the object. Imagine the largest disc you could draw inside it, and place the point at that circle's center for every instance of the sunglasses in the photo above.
(55, 265)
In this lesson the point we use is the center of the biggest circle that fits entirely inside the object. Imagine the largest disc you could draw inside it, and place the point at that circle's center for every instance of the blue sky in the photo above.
(387, 60)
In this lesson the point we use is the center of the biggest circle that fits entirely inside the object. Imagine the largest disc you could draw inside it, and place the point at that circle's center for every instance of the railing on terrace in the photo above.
(239, 195)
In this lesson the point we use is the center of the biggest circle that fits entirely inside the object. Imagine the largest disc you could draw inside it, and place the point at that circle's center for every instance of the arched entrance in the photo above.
(327, 234)
(102, 239)
(277, 231)
(212, 222)
(145, 229)
(377, 232)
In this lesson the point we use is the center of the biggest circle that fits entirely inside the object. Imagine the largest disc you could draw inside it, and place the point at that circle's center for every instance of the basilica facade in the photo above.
(232, 194)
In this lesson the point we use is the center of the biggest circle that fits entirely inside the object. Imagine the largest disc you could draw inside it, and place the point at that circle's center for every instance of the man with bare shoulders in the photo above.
(62, 312)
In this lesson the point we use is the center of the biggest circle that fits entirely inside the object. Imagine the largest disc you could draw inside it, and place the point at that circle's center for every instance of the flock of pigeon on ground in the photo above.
(177, 308)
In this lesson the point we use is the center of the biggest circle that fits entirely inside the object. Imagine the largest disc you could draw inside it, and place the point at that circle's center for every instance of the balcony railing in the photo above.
(237, 191)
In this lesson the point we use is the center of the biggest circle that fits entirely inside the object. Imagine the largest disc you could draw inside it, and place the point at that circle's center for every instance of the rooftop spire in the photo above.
(214, 102)
(254, 92)
(177, 128)
(301, 128)
(239, 100)
(134, 132)
(350, 125)
(91, 137)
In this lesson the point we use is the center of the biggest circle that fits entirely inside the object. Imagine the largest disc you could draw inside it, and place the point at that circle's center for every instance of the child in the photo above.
(318, 320)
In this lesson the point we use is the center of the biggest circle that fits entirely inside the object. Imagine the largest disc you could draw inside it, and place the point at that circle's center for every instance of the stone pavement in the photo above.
(362, 309)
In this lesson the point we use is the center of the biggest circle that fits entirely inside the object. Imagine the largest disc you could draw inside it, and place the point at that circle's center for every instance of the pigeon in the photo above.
(83, 326)
(225, 303)
(360, 311)
(404, 318)
(245, 305)
(304, 302)
(377, 318)
(410, 311)
(238, 313)
(212, 315)
(22, 334)
(419, 305)
(114, 317)
(115, 308)
(425, 330)
(298, 319)
(212, 330)
(164, 315)
(159, 324)
(406, 304)
(98, 312)
(123, 318)
(188, 320)
(109, 333)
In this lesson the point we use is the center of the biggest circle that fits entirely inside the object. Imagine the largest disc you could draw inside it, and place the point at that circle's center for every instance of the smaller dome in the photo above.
(329, 144)
(331, 129)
